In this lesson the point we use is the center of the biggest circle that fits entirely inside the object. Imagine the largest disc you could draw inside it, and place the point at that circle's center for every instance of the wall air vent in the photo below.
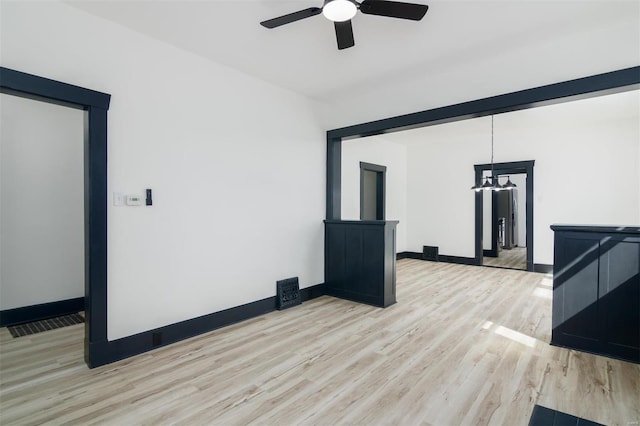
(430, 253)
(288, 293)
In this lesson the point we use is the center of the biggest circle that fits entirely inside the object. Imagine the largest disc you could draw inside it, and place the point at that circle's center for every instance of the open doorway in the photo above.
(504, 228)
(42, 210)
(95, 105)
(372, 191)
(504, 225)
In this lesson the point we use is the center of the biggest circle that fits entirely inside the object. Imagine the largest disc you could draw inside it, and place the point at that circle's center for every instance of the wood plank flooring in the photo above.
(463, 345)
(515, 258)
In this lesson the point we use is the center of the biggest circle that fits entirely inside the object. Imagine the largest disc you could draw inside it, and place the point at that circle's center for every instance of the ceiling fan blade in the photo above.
(344, 34)
(291, 17)
(394, 9)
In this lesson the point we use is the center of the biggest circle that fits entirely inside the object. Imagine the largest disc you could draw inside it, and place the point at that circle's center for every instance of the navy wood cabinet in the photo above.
(360, 261)
(596, 290)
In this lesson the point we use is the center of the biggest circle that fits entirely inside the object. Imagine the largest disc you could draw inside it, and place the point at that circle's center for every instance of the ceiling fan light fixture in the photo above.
(339, 10)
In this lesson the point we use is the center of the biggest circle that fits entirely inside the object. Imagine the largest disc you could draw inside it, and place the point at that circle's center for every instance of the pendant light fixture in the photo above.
(492, 182)
(509, 184)
(486, 186)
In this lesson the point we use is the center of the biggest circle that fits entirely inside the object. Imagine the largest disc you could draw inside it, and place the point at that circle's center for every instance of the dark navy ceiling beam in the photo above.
(596, 85)
(610, 82)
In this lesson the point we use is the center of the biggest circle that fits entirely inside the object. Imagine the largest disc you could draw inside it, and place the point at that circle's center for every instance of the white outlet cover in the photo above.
(118, 199)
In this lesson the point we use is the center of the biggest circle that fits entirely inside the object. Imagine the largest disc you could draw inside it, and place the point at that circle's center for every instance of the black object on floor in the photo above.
(542, 416)
(45, 325)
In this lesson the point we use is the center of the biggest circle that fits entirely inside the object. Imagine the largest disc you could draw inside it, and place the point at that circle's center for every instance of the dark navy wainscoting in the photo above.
(360, 260)
(542, 416)
(596, 290)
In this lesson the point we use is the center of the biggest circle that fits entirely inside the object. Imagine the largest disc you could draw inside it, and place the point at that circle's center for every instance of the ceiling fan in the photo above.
(341, 12)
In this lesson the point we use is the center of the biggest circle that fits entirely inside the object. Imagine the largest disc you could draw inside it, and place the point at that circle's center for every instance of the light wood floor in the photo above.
(516, 258)
(463, 345)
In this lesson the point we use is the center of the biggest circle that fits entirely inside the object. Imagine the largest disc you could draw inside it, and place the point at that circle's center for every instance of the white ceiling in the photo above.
(389, 53)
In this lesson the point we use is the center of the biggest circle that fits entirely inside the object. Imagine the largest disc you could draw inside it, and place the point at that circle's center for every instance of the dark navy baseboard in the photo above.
(537, 267)
(542, 268)
(312, 292)
(115, 350)
(39, 312)
(441, 258)
(489, 253)
(408, 255)
(457, 259)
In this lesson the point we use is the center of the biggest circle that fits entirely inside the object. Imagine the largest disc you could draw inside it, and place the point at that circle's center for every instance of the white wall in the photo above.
(440, 203)
(378, 151)
(586, 171)
(587, 167)
(237, 167)
(41, 202)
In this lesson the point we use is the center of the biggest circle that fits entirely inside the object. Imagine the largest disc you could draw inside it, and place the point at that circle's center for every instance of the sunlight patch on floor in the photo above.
(545, 293)
(516, 336)
(546, 282)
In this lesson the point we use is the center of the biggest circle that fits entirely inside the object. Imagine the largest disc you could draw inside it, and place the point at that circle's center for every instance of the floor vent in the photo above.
(288, 293)
(45, 325)
(430, 253)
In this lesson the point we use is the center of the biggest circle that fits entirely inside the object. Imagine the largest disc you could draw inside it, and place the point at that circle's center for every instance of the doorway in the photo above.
(42, 210)
(504, 225)
(524, 168)
(372, 191)
(95, 104)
